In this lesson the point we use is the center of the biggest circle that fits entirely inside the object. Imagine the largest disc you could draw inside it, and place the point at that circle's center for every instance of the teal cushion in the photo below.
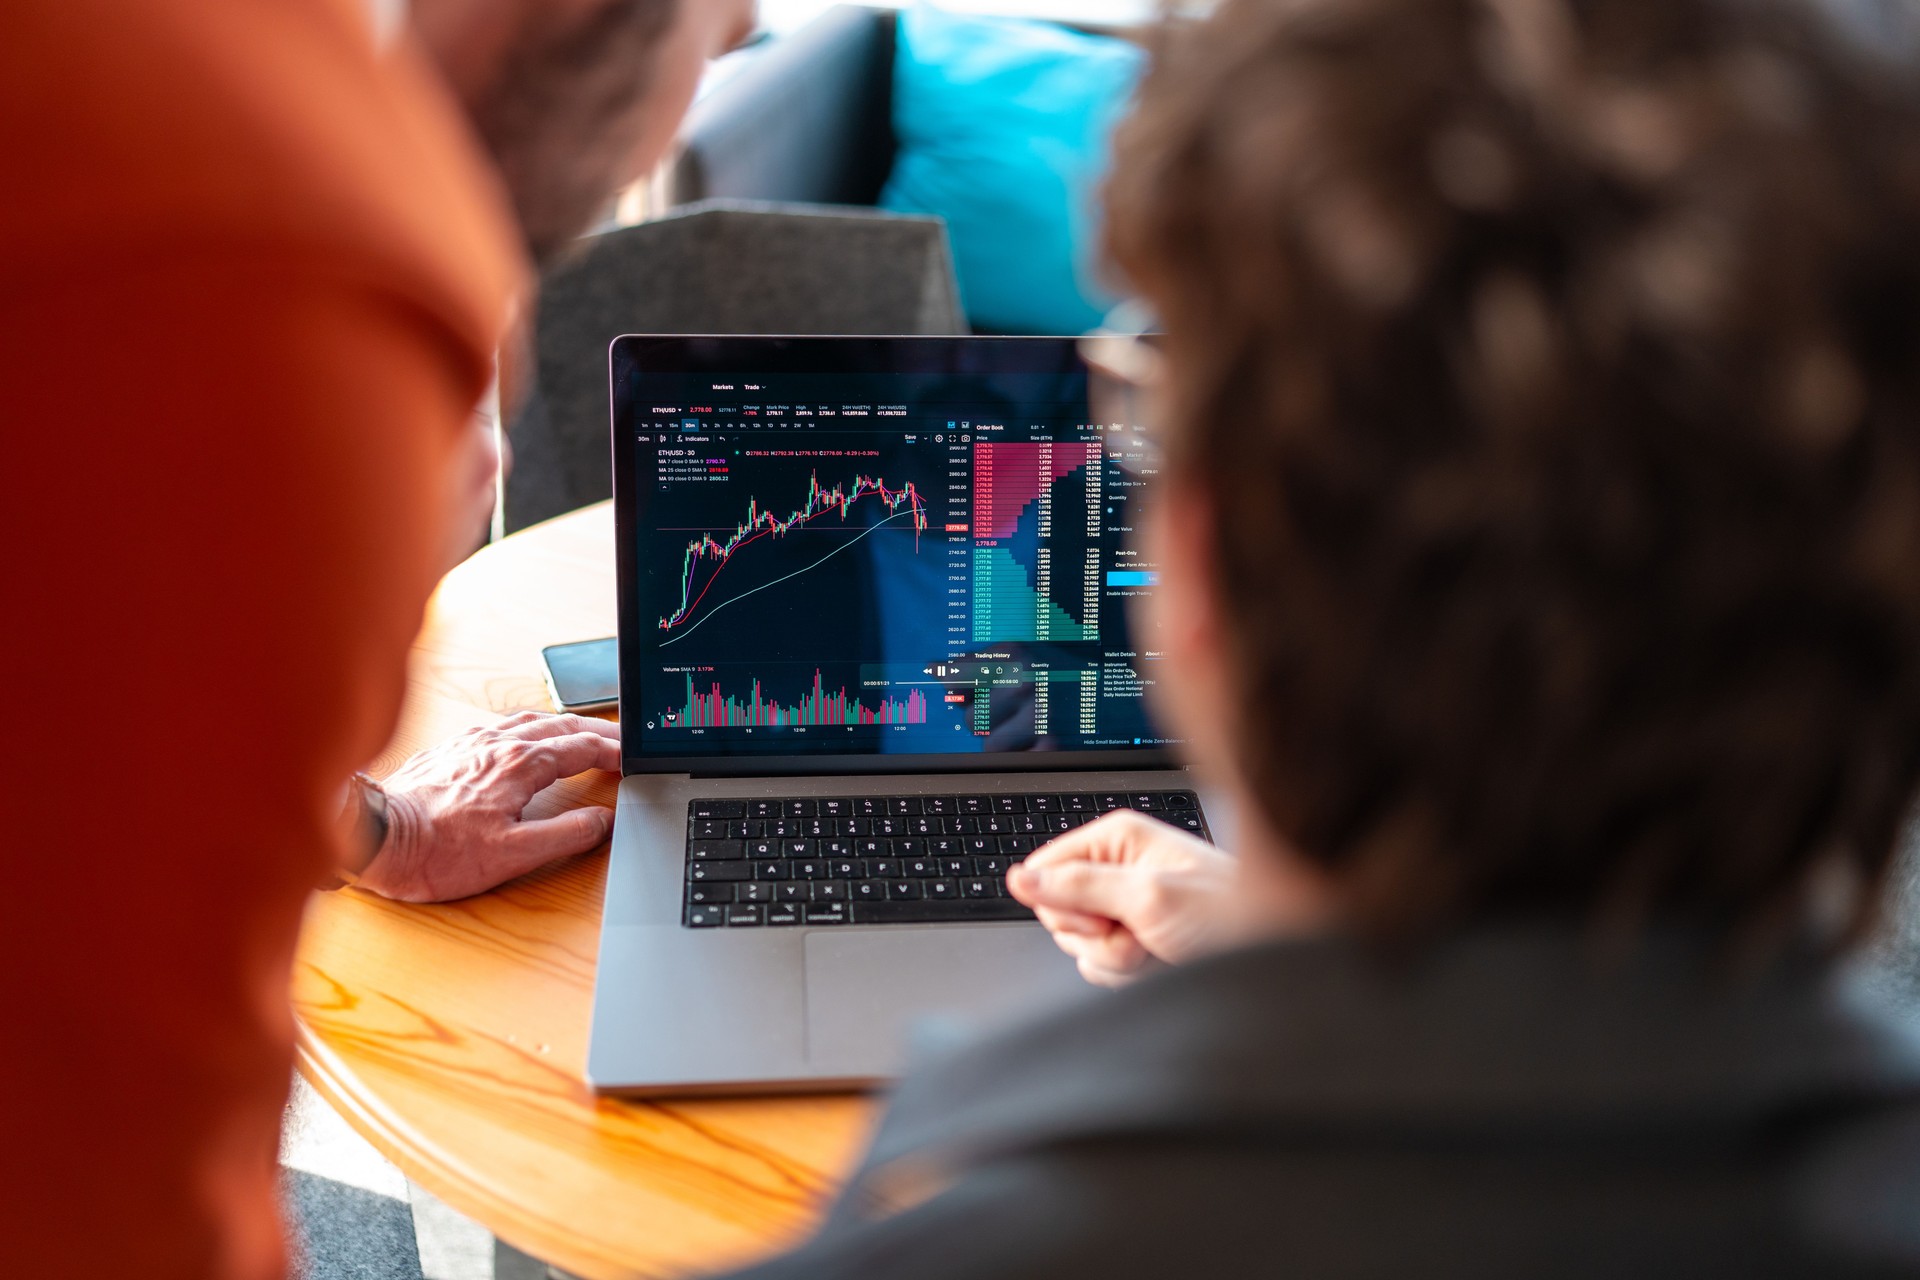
(1002, 127)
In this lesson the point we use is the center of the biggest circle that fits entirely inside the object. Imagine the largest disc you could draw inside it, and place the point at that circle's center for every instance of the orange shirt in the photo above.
(250, 276)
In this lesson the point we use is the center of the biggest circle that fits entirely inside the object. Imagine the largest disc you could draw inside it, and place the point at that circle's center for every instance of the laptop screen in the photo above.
(915, 550)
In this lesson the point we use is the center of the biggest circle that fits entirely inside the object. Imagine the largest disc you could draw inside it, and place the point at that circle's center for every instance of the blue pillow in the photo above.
(1002, 127)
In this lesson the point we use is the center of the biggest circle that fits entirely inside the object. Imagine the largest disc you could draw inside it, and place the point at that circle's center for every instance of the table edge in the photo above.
(430, 1167)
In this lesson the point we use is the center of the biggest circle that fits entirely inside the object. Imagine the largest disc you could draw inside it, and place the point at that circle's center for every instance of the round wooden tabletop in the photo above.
(454, 1037)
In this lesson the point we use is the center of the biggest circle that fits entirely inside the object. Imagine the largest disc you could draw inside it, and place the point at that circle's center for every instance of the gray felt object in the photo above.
(718, 267)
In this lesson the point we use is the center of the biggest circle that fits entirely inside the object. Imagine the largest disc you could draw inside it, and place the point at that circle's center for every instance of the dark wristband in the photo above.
(373, 820)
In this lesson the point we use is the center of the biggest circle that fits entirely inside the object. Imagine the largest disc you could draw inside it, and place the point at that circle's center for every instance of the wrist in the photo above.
(389, 872)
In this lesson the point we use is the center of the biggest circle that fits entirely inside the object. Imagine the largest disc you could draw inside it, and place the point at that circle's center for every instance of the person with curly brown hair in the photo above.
(1539, 530)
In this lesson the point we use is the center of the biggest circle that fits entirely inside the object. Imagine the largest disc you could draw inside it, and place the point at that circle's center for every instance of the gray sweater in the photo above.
(1499, 1107)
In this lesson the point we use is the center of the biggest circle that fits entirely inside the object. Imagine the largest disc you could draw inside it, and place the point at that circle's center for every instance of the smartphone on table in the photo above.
(583, 676)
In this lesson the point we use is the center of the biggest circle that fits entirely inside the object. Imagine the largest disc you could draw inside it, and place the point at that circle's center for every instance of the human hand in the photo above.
(454, 812)
(1126, 890)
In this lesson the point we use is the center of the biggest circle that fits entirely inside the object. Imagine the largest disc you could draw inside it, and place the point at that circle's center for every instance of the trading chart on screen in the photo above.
(836, 565)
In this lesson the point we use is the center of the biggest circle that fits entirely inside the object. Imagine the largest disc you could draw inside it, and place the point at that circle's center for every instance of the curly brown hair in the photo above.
(1553, 369)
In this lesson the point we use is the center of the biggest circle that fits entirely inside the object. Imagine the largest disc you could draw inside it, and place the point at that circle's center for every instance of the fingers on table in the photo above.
(550, 759)
(534, 726)
(575, 831)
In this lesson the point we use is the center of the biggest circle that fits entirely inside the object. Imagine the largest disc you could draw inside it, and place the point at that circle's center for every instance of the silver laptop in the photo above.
(874, 648)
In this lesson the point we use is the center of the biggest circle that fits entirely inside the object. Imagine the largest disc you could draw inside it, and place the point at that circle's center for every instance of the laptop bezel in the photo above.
(1038, 354)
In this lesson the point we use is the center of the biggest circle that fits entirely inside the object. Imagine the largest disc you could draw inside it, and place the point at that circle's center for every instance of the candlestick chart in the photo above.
(707, 557)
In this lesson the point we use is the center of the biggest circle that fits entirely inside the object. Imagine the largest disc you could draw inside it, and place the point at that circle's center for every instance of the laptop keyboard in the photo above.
(918, 859)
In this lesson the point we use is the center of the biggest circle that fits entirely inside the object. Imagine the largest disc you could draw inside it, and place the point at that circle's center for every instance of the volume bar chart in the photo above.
(716, 709)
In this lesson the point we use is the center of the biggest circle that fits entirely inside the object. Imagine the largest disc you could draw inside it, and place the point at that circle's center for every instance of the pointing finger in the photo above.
(1088, 888)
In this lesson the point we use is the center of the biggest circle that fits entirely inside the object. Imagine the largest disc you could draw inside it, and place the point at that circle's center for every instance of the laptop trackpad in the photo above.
(871, 994)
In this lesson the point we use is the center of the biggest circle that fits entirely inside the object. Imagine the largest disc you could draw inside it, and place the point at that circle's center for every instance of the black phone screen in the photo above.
(585, 674)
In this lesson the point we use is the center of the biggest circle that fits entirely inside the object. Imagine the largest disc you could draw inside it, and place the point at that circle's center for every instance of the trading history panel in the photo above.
(929, 570)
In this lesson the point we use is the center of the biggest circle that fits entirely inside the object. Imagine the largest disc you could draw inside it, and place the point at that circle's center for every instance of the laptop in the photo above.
(875, 647)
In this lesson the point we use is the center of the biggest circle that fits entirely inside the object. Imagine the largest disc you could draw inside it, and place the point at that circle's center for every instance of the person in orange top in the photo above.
(252, 272)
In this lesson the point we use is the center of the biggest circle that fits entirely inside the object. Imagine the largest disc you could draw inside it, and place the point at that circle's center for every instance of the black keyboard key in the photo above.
(1059, 822)
(798, 808)
(904, 805)
(790, 891)
(940, 805)
(890, 826)
(810, 869)
(796, 848)
(1000, 824)
(980, 888)
(710, 871)
(956, 866)
(717, 809)
(1186, 820)
(1180, 800)
(868, 891)
(783, 913)
(1080, 803)
(768, 848)
(978, 845)
(772, 869)
(754, 891)
(717, 829)
(1032, 824)
(869, 807)
(943, 890)
(1019, 845)
(925, 826)
(1009, 804)
(873, 848)
(830, 891)
(995, 867)
(946, 847)
(910, 847)
(1145, 801)
(922, 867)
(847, 868)
(745, 915)
(840, 807)
(1108, 801)
(706, 895)
(928, 912)
(975, 804)
(1043, 804)
(826, 912)
(903, 890)
(753, 828)
(706, 917)
(787, 828)
(763, 808)
(883, 868)
(716, 850)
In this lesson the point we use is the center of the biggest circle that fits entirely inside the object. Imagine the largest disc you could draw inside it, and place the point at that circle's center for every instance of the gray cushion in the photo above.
(713, 268)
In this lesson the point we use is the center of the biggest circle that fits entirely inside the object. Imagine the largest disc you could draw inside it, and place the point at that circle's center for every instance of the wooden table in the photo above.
(454, 1037)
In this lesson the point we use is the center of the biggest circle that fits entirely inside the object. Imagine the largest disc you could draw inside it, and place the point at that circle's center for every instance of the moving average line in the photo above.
(777, 581)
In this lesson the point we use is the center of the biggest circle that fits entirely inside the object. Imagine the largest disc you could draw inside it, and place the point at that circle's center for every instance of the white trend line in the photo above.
(777, 581)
